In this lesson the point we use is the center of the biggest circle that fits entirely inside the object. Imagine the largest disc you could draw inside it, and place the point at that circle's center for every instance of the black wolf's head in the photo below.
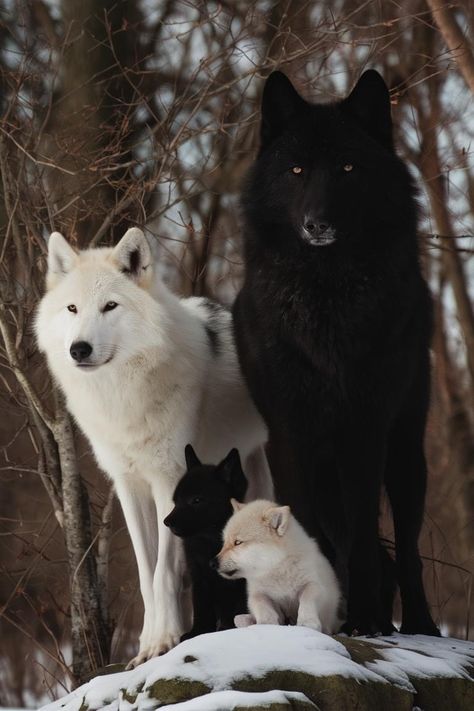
(327, 177)
(202, 497)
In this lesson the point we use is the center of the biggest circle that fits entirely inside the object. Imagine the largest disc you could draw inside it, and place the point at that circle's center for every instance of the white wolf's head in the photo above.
(254, 542)
(95, 304)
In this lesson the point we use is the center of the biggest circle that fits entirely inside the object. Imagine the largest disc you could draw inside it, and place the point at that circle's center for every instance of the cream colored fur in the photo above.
(152, 384)
(288, 578)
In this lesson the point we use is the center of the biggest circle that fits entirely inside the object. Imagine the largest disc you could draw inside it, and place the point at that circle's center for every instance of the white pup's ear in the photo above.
(236, 505)
(61, 258)
(278, 518)
(133, 256)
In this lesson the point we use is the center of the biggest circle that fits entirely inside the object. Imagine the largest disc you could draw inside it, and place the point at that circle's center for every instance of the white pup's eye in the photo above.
(110, 306)
(296, 169)
(237, 542)
(348, 167)
(72, 308)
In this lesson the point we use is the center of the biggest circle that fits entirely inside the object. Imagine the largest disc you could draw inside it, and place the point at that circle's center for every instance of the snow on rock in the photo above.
(229, 700)
(272, 667)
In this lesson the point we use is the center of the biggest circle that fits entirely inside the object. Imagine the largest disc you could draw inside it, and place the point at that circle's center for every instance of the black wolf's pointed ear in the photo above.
(280, 103)
(133, 256)
(192, 460)
(369, 105)
(230, 471)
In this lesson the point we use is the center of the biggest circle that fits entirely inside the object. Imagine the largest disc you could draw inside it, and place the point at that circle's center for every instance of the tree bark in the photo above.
(454, 38)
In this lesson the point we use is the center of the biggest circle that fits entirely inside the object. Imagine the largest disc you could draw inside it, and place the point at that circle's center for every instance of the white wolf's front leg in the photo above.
(140, 516)
(168, 584)
(259, 477)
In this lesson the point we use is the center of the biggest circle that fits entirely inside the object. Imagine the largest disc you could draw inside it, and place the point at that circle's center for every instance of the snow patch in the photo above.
(220, 659)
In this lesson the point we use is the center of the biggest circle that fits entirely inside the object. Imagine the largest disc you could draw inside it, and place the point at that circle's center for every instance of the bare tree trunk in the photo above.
(90, 631)
(430, 166)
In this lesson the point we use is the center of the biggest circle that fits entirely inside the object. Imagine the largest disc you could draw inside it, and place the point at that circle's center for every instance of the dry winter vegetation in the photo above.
(145, 112)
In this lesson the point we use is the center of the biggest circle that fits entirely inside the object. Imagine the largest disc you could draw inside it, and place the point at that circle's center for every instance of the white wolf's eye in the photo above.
(348, 167)
(110, 306)
(72, 308)
(296, 169)
(237, 542)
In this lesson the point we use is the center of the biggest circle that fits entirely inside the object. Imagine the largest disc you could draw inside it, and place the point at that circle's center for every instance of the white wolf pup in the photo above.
(288, 578)
(144, 373)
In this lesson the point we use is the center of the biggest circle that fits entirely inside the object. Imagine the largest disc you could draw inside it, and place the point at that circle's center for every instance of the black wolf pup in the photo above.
(333, 328)
(201, 510)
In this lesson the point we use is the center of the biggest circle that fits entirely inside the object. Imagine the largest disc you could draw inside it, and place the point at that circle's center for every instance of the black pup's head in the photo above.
(327, 177)
(202, 496)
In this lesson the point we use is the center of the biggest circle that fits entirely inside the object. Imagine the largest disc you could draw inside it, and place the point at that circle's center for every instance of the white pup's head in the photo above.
(254, 539)
(94, 304)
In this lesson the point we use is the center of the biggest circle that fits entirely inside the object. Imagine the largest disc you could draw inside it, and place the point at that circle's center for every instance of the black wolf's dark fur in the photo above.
(333, 328)
(202, 508)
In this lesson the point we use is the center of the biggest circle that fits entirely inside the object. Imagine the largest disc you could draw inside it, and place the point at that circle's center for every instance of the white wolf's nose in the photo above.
(80, 350)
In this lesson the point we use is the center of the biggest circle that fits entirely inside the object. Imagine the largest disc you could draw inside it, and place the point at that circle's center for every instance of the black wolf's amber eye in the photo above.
(110, 306)
(348, 167)
(296, 169)
(72, 309)
(237, 542)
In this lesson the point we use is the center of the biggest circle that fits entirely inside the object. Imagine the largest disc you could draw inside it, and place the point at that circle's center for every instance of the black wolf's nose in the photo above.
(80, 350)
(214, 563)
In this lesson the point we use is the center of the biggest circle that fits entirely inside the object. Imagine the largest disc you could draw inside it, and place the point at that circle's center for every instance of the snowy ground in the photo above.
(210, 666)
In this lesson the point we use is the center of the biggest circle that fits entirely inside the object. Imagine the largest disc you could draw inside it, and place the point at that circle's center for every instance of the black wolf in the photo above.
(201, 510)
(333, 328)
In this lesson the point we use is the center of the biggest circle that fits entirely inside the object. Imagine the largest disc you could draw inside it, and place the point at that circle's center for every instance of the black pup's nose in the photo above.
(316, 227)
(214, 563)
(80, 350)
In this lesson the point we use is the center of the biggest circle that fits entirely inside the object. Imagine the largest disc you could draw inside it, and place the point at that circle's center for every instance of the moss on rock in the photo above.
(332, 693)
(171, 691)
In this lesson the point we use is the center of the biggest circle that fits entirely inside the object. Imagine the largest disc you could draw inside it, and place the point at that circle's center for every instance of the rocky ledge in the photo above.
(282, 668)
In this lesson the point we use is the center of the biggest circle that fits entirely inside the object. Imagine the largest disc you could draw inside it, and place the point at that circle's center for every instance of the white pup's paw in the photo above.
(244, 620)
(314, 624)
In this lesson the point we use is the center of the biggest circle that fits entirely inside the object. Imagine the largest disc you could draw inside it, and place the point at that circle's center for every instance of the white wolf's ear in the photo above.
(236, 505)
(278, 517)
(61, 259)
(133, 256)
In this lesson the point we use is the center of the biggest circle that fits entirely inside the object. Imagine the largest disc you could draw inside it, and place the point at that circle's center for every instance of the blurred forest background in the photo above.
(146, 112)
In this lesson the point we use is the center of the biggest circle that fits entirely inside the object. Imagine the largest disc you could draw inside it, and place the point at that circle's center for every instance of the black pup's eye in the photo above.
(110, 306)
(348, 167)
(196, 500)
(72, 308)
(297, 169)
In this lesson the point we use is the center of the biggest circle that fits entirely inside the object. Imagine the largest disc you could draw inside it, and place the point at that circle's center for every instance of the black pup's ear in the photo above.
(230, 471)
(192, 459)
(369, 105)
(280, 102)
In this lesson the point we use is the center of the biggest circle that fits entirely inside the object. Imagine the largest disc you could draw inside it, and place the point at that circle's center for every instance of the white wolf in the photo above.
(144, 373)
(288, 578)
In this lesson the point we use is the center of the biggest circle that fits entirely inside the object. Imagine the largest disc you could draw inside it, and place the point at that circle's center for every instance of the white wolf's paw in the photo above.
(136, 661)
(244, 620)
(156, 649)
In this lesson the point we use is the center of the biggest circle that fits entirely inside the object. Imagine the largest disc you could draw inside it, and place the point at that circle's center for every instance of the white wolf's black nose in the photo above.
(80, 350)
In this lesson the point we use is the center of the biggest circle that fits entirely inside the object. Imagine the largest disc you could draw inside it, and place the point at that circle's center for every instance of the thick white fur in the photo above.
(288, 578)
(152, 384)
